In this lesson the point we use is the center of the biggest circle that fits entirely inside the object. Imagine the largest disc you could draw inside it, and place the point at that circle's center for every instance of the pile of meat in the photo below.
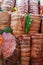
(10, 48)
(31, 49)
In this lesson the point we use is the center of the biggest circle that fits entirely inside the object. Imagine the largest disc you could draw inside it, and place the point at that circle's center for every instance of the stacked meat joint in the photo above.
(22, 6)
(35, 26)
(36, 50)
(8, 5)
(17, 23)
(4, 20)
(25, 50)
(33, 6)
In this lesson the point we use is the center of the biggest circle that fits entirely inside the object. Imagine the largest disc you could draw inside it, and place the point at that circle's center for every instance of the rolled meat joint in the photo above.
(8, 5)
(10, 48)
(36, 49)
(36, 45)
(4, 20)
(17, 23)
(25, 49)
(33, 6)
(4, 17)
(35, 26)
(42, 51)
(22, 6)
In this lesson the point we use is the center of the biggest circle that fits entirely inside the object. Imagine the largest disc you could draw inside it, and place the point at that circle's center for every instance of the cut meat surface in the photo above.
(8, 45)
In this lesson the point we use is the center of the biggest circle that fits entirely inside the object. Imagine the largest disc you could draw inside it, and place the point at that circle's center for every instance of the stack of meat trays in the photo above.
(36, 50)
(25, 49)
(35, 26)
(42, 26)
(4, 20)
